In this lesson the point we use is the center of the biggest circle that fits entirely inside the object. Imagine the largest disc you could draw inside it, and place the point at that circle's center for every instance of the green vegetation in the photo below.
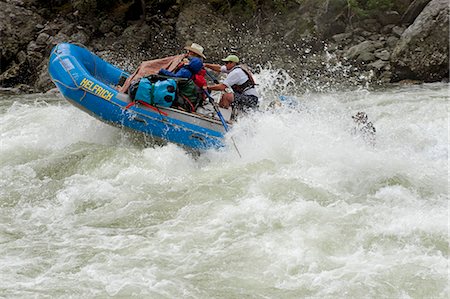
(364, 8)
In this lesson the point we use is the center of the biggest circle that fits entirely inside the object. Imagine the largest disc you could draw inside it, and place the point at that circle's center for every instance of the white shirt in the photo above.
(239, 77)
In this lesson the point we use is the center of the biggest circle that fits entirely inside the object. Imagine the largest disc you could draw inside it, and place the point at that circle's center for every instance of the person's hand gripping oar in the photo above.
(214, 79)
(224, 123)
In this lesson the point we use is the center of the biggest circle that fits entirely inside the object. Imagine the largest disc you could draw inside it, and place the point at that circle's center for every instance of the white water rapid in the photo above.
(310, 210)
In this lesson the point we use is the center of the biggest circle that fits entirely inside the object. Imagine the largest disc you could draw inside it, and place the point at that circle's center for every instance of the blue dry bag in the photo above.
(161, 93)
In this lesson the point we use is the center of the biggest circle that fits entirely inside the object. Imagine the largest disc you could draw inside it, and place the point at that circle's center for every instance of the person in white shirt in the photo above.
(239, 85)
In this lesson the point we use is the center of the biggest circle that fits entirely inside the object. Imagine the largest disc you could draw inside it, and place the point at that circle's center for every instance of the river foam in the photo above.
(310, 210)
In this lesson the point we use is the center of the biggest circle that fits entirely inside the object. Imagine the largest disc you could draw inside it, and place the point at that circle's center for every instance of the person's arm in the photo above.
(230, 80)
(214, 67)
(166, 73)
(219, 87)
(182, 73)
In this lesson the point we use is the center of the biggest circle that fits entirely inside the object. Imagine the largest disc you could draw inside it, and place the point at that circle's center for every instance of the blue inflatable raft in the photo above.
(89, 83)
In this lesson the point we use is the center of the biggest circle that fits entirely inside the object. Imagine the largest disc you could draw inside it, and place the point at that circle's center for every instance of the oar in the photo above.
(212, 77)
(224, 123)
(211, 100)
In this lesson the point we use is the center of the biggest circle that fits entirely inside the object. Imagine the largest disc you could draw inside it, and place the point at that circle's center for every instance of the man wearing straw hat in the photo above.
(239, 85)
(195, 50)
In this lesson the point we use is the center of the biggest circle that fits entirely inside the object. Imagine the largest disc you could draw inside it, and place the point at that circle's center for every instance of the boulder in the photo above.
(378, 65)
(370, 25)
(398, 31)
(18, 27)
(383, 54)
(423, 49)
(389, 17)
(414, 9)
(330, 18)
(106, 26)
(364, 52)
(43, 81)
(137, 34)
(79, 37)
(392, 41)
(342, 37)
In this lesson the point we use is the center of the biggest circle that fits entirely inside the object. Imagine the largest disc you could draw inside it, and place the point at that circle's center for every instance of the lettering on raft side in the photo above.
(96, 89)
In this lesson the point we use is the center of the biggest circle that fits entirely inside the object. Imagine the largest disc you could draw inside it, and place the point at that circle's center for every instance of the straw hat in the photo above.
(196, 48)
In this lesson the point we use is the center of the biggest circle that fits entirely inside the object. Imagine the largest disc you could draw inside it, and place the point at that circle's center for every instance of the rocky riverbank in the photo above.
(320, 44)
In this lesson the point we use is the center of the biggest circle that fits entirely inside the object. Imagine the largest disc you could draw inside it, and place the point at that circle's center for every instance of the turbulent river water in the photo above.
(310, 210)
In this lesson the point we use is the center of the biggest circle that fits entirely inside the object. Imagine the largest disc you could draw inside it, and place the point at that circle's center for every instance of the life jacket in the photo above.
(250, 83)
(199, 78)
(195, 65)
(160, 93)
(199, 75)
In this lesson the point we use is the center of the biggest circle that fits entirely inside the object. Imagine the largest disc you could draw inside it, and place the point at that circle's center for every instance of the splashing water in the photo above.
(310, 210)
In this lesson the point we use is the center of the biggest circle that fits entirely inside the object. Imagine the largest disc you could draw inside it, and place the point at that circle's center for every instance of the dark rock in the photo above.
(173, 12)
(342, 37)
(18, 89)
(371, 25)
(34, 59)
(139, 34)
(43, 81)
(10, 90)
(110, 35)
(58, 38)
(85, 7)
(378, 64)
(398, 31)
(17, 29)
(79, 37)
(329, 20)
(365, 57)
(409, 82)
(51, 28)
(25, 88)
(68, 29)
(21, 57)
(385, 77)
(392, 41)
(117, 30)
(106, 26)
(33, 47)
(17, 73)
(383, 54)
(358, 50)
(17, 2)
(414, 9)
(363, 51)
(387, 29)
(42, 39)
(375, 37)
(359, 39)
(13, 72)
(389, 17)
(423, 50)
(366, 33)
